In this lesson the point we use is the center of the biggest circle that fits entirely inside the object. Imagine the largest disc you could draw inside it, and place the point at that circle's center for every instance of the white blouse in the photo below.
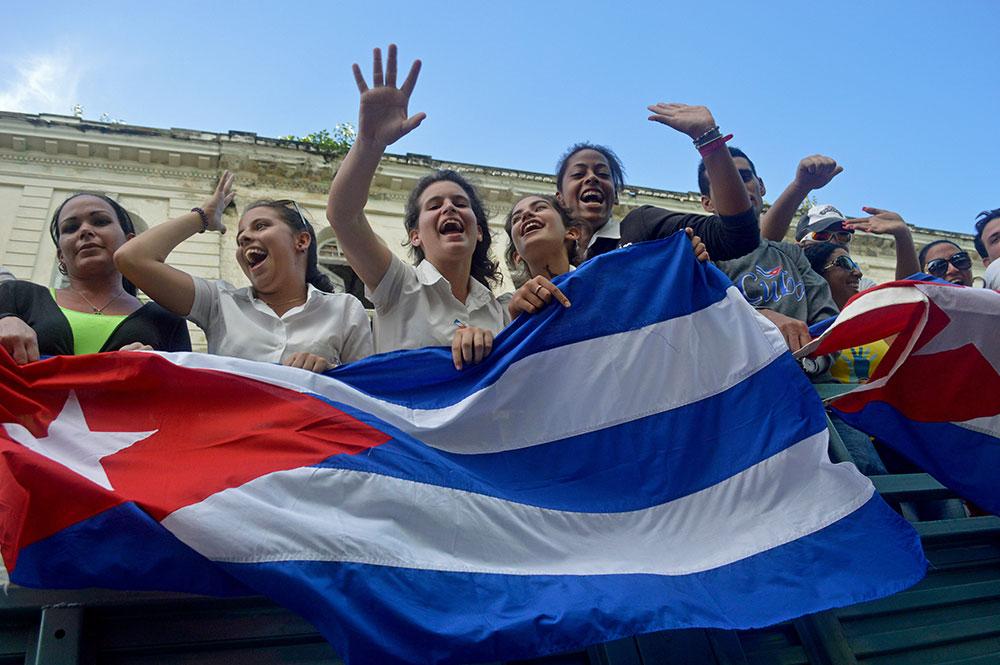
(332, 325)
(414, 307)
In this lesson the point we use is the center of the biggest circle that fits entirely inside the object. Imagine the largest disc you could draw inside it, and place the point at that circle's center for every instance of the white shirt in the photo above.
(611, 229)
(5, 274)
(414, 307)
(991, 277)
(331, 325)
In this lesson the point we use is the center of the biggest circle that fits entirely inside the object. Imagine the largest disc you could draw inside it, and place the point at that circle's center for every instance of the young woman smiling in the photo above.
(445, 298)
(98, 311)
(286, 315)
(590, 177)
(544, 238)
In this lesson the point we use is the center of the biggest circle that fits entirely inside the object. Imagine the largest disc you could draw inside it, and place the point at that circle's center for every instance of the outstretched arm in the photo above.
(382, 120)
(812, 173)
(730, 196)
(143, 258)
(886, 222)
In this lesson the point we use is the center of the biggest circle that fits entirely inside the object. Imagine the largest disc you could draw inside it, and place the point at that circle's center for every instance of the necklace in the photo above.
(97, 310)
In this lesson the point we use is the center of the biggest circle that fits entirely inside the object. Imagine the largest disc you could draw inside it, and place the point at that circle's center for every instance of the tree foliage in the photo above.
(329, 144)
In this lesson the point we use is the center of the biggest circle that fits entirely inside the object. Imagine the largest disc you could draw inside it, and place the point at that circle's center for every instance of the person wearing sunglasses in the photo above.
(823, 223)
(946, 260)
(853, 365)
(775, 277)
(287, 315)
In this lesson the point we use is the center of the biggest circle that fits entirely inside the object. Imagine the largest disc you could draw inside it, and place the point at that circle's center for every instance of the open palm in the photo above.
(383, 117)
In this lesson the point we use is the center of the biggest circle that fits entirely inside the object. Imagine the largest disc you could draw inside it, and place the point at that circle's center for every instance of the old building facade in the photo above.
(161, 173)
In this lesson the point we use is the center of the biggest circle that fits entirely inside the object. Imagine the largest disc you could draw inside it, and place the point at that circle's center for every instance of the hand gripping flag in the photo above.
(650, 458)
(936, 396)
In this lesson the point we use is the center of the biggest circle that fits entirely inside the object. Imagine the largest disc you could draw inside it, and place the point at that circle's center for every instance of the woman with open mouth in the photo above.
(287, 315)
(445, 299)
(98, 310)
(543, 240)
(590, 178)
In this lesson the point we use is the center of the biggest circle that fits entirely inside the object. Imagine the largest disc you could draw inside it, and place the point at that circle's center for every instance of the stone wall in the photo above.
(160, 173)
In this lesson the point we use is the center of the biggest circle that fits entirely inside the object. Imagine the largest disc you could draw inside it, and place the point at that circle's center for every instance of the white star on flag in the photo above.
(72, 443)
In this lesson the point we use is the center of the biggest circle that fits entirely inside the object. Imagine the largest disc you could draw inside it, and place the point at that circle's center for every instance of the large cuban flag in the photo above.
(936, 396)
(650, 458)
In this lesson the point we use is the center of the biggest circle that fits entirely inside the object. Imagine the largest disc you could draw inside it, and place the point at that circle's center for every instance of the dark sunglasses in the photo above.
(938, 267)
(842, 261)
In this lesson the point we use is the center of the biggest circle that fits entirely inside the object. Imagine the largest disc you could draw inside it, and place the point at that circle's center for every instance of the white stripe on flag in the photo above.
(646, 371)
(989, 425)
(324, 514)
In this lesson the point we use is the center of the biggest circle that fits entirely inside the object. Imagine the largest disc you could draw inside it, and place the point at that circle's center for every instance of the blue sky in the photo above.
(904, 94)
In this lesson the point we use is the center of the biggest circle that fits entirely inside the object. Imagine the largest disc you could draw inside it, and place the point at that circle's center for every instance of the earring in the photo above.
(62, 269)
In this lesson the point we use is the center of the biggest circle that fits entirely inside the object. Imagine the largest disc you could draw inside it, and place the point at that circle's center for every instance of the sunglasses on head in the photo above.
(842, 261)
(292, 203)
(842, 237)
(938, 267)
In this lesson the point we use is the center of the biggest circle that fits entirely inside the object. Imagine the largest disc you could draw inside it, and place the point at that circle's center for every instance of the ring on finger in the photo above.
(537, 289)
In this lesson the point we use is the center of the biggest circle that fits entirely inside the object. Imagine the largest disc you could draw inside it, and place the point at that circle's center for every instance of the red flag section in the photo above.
(127, 393)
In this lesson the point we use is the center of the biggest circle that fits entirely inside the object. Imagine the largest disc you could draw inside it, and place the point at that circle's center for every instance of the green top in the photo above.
(90, 331)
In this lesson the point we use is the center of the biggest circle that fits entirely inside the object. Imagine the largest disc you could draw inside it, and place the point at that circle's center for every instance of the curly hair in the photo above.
(485, 268)
(614, 164)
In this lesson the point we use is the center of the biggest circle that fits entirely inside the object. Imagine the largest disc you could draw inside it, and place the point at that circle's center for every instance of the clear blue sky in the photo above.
(904, 94)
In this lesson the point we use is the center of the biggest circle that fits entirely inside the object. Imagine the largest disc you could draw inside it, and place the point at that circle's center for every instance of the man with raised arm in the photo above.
(776, 277)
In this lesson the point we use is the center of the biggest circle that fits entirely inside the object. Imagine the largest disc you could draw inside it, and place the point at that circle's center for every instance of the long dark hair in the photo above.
(124, 221)
(485, 269)
(289, 212)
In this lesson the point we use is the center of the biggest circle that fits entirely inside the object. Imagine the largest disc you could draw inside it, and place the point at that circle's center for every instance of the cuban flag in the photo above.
(650, 458)
(935, 397)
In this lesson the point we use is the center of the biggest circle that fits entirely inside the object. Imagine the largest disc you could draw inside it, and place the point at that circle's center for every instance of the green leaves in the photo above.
(331, 144)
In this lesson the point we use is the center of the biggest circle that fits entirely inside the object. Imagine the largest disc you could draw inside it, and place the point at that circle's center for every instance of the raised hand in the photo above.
(816, 171)
(382, 119)
(216, 204)
(881, 222)
(691, 120)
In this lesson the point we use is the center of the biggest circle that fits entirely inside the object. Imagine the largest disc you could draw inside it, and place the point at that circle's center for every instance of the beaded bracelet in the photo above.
(204, 219)
(711, 146)
(707, 136)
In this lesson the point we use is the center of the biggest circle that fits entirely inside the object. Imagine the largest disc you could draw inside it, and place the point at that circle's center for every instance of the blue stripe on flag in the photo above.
(960, 458)
(383, 614)
(121, 548)
(652, 456)
(653, 282)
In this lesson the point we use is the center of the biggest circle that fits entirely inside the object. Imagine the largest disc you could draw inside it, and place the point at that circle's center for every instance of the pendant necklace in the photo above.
(98, 310)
